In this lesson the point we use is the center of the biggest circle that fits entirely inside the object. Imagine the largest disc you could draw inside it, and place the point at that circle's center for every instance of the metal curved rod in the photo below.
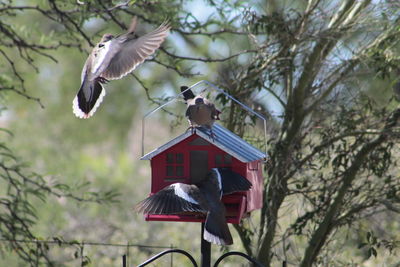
(237, 253)
(159, 255)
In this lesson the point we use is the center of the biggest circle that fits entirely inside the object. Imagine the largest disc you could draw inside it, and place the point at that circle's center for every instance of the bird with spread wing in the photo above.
(203, 197)
(113, 58)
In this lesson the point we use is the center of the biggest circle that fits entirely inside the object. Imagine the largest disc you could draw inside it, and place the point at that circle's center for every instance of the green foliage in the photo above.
(20, 188)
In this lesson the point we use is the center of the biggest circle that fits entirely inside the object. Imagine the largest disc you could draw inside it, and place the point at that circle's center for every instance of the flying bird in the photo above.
(203, 197)
(113, 58)
(200, 111)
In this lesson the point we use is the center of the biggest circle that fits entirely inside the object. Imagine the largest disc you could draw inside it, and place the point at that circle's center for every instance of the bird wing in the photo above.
(211, 106)
(215, 112)
(172, 199)
(190, 111)
(231, 181)
(132, 52)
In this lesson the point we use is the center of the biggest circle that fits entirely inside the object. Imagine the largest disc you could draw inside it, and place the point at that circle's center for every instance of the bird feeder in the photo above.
(188, 157)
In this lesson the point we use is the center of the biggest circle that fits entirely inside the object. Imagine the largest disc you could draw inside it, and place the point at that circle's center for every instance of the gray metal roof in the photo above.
(224, 139)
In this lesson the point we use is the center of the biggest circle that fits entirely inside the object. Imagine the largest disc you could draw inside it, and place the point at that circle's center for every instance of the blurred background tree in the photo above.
(320, 71)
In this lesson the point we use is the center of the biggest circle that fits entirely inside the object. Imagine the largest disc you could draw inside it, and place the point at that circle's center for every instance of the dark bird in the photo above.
(203, 197)
(200, 111)
(113, 58)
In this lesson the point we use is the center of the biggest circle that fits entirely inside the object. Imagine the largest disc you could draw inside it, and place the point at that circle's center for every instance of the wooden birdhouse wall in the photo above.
(189, 161)
(255, 194)
(170, 167)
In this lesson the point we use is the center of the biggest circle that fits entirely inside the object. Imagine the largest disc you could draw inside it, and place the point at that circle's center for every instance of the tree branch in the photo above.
(324, 228)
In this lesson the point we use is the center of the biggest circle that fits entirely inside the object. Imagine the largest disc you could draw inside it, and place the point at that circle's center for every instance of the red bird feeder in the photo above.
(190, 156)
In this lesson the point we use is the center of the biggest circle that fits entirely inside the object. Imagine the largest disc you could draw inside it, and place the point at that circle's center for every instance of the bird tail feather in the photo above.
(187, 94)
(88, 99)
(216, 229)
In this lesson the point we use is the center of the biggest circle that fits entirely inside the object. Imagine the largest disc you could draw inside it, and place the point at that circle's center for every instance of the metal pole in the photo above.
(205, 260)
(127, 255)
(172, 257)
(124, 260)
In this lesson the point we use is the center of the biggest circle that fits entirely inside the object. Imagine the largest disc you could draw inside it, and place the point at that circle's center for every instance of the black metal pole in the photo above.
(205, 260)
(123, 260)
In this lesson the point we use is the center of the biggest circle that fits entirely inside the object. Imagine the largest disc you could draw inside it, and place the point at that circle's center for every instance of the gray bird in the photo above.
(113, 58)
(200, 111)
(203, 197)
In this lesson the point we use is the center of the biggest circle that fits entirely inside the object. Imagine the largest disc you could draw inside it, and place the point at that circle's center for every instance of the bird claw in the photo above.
(212, 135)
(192, 129)
(102, 80)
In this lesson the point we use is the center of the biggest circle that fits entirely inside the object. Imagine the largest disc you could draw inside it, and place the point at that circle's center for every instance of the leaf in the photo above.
(374, 252)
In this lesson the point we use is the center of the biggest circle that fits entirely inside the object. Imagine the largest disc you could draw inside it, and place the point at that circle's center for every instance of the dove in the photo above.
(113, 58)
(200, 111)
(203, 197)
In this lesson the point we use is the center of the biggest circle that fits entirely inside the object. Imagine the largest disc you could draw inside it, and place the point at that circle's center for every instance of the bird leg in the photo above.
(191, 128)
(102, 80)
(212, 135)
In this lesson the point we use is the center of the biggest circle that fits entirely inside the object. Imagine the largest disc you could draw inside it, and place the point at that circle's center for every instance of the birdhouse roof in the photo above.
(224, 139)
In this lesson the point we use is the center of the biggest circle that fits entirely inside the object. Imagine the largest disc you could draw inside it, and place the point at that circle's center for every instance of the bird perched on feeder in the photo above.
(203, 197)
(200, 111)
(113, 58)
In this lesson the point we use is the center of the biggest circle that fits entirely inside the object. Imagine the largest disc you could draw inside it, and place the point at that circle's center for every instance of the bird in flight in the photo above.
(200, 111)
(203, 197)
(113, 58)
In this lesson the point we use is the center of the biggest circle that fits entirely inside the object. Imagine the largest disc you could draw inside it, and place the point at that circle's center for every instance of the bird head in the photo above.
(199, 101)
(107, 37)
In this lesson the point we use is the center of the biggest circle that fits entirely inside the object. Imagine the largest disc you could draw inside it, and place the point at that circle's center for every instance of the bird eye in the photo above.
(101, 45)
